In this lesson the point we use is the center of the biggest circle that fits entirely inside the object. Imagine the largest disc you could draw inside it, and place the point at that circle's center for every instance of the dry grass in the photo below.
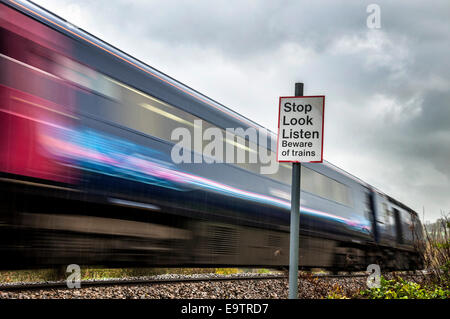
(436, 252)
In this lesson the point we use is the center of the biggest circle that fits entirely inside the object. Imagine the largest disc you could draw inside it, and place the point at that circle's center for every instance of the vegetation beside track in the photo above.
(436, 285)
(401, 289)
(89, 273)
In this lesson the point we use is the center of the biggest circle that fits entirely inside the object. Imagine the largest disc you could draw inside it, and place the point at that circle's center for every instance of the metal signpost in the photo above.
(300, 139)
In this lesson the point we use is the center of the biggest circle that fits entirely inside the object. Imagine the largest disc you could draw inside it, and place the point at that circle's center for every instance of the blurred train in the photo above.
(86, 175)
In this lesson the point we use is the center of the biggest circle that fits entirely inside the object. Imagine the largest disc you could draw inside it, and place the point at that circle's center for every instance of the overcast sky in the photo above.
(387, 90)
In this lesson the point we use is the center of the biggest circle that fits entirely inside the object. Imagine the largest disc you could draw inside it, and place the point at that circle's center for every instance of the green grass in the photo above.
(29, 275)
(401, 289)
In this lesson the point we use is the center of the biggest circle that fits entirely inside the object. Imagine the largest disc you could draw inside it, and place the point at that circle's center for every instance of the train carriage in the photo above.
(87, 175)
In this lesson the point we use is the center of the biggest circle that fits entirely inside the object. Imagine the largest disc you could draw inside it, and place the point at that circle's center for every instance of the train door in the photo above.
(371, 213)
(398, 225)
(389, 222)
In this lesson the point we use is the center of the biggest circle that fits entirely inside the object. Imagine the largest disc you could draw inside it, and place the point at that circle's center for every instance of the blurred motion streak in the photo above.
(86, 175)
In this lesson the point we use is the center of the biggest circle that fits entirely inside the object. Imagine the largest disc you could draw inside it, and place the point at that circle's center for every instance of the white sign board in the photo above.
(300, 129)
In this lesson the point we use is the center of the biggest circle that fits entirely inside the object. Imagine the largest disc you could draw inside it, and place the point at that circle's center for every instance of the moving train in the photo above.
(87, 175)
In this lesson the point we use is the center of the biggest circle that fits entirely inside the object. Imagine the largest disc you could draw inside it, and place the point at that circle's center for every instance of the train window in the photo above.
(406, 217)
(165, 118)
(386, 213)
(166, 114)
(284, 173)
(368, 207)
(84, 76)
(340, 193)
(242, 151)
(309, 183)
(325, 187)
(146, 114)
(317, 184)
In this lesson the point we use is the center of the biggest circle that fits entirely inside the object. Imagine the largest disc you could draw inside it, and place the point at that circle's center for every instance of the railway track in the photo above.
(131, 282)
(169, 279)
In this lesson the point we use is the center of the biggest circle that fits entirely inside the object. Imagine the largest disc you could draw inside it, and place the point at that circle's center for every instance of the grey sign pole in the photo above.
(295, 219)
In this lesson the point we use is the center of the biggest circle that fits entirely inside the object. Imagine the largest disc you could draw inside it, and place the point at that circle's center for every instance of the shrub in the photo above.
(337, 293)
(400, 289)
(437, 252)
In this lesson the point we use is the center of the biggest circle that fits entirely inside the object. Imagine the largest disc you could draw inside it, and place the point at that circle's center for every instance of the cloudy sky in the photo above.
(387, 90)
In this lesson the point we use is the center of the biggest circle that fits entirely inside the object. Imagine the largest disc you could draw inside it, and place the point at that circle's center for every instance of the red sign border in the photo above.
(323, 125)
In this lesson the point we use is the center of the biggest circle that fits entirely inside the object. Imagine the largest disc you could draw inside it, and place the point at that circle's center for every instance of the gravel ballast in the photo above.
(309, 288)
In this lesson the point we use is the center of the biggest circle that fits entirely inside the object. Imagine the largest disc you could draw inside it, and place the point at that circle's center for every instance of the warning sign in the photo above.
(300, 129)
